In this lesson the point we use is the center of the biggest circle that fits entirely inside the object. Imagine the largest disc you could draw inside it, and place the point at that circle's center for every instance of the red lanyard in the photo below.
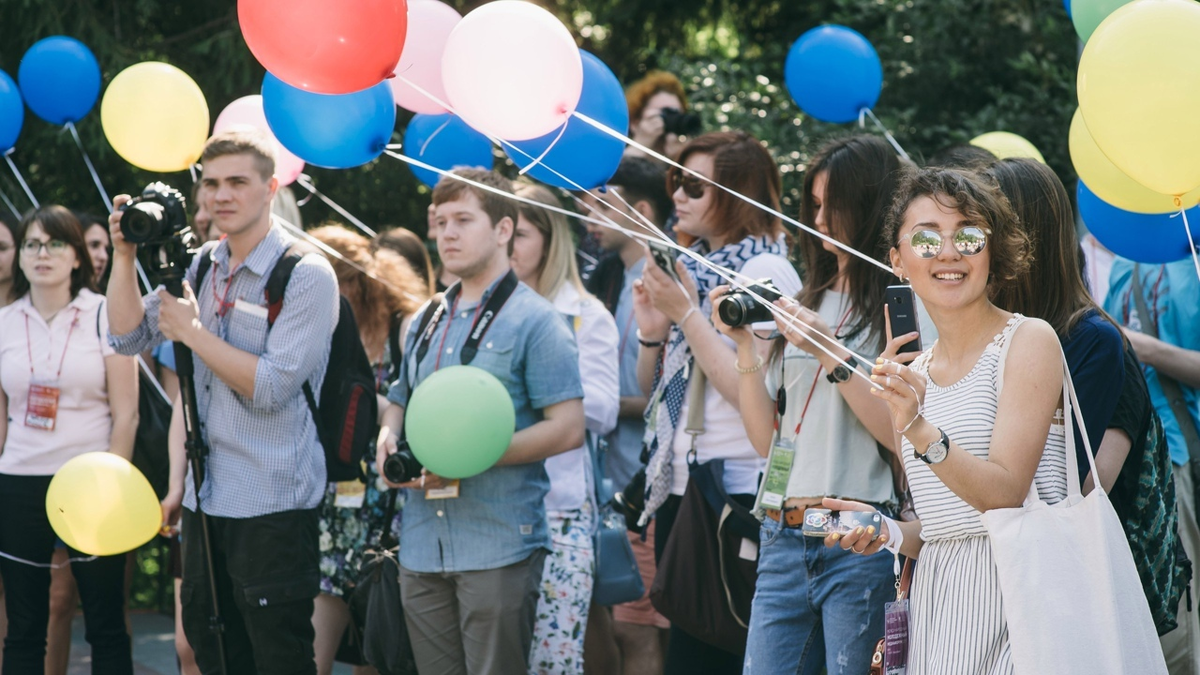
(813, 387)
(223, 304)
(63, 358)
(474, 320)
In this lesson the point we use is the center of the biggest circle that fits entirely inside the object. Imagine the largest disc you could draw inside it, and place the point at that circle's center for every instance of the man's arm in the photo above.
(633, 406)
(561, 429)
(125, 310)
(1182, 365)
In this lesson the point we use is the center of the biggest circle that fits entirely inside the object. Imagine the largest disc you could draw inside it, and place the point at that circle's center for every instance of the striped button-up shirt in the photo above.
(264, 455)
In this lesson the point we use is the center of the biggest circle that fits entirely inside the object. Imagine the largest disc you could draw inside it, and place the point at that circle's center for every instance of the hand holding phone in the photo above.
(664, 256)
(824, 522)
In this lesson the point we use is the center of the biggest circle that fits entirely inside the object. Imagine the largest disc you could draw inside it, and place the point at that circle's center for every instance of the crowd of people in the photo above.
(818, 404)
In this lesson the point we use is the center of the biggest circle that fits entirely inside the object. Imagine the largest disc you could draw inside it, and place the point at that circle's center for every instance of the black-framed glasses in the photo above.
(54, 247)
(928, 243)
(692, 186)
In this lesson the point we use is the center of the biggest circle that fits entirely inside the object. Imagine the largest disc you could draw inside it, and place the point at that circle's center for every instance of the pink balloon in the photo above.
(511, 69)
(247, 111)
(429, 25)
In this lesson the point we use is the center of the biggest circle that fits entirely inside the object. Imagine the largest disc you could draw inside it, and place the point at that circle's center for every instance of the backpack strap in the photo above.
(394, 345)
(277, 283)
(205, 254)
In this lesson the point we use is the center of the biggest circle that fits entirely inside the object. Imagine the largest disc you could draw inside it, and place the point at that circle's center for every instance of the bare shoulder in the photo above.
(1033, 353)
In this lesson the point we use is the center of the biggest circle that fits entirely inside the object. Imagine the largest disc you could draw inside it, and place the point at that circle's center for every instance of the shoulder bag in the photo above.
(618, 579)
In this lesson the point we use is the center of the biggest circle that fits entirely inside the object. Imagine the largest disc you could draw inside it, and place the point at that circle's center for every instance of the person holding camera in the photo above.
(820, 429)
(64, 393)
(658, 114)
(264, 473)
(472, 551)
(678, 344)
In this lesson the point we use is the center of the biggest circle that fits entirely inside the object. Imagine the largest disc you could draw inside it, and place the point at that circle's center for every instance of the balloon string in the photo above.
(432, 136)
(728, 275)
(8, 202)
(21, 179)
(561, 130)
(48, 566)
(1191, 242)
(303, 181)
(663, 158)
(886, 134)
(192, 170)
(300, 233)
(70, 126)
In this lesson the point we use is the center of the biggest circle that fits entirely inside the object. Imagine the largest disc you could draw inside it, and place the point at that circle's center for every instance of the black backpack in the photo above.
(347, 417)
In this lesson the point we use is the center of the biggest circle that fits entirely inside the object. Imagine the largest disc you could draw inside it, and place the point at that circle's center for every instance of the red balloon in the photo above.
(326, 46)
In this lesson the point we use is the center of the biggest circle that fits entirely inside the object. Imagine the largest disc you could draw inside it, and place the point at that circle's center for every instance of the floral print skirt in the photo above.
(346, 530)
(564, 594)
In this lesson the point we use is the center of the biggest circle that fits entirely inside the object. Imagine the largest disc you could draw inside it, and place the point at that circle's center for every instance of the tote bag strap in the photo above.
(1070, 419)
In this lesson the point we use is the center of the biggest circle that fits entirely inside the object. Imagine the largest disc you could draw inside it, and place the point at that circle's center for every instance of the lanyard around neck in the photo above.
(66, 344)
(485, 316)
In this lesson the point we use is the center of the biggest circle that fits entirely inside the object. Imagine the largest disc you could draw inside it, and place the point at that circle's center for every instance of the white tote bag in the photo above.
(1072, 597)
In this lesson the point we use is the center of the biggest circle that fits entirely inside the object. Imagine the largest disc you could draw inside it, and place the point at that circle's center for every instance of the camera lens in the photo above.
(732, 310)
(142, 222)
(401, 466)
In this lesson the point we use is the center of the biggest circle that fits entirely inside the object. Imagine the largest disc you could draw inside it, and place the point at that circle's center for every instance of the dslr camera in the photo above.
(156, 216)
(680, 123)
(402, 466)
(739, 308)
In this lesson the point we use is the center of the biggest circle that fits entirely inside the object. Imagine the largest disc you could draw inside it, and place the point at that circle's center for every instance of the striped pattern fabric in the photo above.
(957, 613)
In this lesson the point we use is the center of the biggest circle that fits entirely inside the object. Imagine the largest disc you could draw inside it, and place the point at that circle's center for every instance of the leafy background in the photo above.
(952, 69)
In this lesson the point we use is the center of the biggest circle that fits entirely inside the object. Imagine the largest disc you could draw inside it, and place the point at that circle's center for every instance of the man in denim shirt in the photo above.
(470, 564)
(265, 471)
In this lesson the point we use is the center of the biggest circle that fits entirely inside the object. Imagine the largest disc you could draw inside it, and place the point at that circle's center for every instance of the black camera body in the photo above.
(156, 216)
(739, 308)
(680, 123)
(402, 466)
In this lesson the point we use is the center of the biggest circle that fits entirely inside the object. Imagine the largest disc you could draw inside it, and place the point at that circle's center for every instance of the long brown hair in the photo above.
(557, 266)
(1053, 289)
(742, 164)
(58, 222)
(861, 175)
(375, 304)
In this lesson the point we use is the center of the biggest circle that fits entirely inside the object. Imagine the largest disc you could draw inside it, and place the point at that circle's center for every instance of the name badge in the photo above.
(250, 308)
(778, 471)
(350, 494)
(895, 637)
(448, 492)
(42, 409)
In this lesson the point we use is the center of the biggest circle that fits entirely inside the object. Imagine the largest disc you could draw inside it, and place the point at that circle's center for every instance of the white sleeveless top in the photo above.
(966, 412)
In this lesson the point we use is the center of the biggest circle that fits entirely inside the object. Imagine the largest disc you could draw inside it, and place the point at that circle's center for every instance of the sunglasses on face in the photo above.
(692, 186)
(928, 243)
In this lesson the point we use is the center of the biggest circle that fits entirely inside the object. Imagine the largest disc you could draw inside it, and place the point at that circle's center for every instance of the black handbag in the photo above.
(618, 578)
(376, 612)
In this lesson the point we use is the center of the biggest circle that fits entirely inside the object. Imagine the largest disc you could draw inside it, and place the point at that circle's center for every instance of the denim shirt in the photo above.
(499, 517)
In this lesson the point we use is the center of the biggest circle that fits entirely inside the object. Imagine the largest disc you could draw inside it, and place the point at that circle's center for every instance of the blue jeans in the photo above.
(815, 607)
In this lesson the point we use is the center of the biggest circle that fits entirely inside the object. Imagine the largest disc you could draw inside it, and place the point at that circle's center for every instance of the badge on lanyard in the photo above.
(448, 492)
(41, 412)
(350, 494)
(779, 469)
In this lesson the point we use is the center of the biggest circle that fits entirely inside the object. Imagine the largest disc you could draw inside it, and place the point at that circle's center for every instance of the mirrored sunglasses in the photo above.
(928, 243)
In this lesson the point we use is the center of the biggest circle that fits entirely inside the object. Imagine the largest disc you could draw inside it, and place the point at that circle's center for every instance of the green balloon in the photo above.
(460, 421)
(1088, 14)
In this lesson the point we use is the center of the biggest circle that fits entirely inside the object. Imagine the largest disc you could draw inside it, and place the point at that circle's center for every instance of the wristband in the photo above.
(894, 533)
(687, 316)
(752, 369)
(649, 343)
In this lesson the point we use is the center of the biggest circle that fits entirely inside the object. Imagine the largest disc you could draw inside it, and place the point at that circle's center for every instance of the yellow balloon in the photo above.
(1139, 92)
(155, 117)
(1004, 145)
(1110, 183)
(100, 504)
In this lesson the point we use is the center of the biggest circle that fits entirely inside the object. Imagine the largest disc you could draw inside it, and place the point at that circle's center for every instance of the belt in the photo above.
(793, 516)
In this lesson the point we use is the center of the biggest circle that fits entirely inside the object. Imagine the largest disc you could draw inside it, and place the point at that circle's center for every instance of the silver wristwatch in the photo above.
(936, 451)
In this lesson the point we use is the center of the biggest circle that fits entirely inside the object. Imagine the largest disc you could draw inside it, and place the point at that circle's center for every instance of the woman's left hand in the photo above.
(666, 294)
(903, 388)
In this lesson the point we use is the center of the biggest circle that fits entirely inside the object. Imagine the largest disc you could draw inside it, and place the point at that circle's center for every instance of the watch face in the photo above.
(936, 452)
(840, 374)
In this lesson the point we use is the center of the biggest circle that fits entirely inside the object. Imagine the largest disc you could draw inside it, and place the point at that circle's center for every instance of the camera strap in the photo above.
(485, 316)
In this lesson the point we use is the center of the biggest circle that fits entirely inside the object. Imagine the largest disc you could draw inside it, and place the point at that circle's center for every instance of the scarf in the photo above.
(671, 377)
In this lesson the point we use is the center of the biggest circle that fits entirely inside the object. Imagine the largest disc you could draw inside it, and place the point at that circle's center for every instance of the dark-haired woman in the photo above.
(65, 393)
(831, 430)
(1053, 290)
(978, 426)
(678, 341)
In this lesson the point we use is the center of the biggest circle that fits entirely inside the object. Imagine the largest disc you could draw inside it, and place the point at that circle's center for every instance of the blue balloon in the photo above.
(1067, 4)
(445, 141)
(12, 112)
(833, 73)
(585, 156)
(60, 79)
(1151, 238)
(335, 131)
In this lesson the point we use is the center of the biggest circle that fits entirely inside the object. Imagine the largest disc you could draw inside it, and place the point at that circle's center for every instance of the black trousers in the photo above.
(25, 533)
(267, 575)
(687, 655)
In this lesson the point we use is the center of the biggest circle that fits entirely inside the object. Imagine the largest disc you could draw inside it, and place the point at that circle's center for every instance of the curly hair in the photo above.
(981, 202)
(375, 304)
(655, 81)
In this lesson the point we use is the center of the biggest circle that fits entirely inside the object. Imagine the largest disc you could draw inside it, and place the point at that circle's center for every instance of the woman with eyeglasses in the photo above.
(66, 393)
(818, 425)
(678, 342)
(977, 412)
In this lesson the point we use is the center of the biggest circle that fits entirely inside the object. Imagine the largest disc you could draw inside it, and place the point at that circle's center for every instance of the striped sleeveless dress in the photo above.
(956, 613)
